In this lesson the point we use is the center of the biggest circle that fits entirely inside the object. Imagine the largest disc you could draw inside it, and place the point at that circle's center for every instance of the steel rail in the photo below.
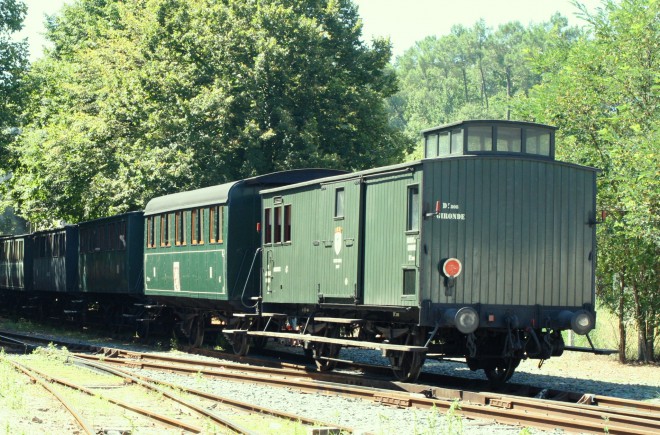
(86, 427)
(236, 403)
(614, 405)
(534, 412)
(153, 415)
(150, 385)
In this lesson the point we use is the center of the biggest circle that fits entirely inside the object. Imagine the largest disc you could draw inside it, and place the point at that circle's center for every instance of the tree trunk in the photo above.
(622, 325)
(640, 324)
(509, 85)
(651, 327)
(483, 85)
(465, 85)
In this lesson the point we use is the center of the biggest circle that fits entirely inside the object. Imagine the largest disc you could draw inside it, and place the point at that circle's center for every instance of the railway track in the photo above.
(591, 414)
(187, 416)
(97, 402)
(568, 410)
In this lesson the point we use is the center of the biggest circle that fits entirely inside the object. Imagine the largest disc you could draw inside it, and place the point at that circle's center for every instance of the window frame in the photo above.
(180, 228)
(277, 224)
(216, 214)
(340, 202)
(151, 233)
(406, 272)
(165, 240)
(286, 224)
(413, 222)
(268, 226)
(197, 226)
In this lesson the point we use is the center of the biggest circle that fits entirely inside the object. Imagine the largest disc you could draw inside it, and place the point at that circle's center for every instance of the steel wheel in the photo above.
(196, 337)
(408, 365)
(320, 351)
(240, 343)
(259, 343)
(501, 370)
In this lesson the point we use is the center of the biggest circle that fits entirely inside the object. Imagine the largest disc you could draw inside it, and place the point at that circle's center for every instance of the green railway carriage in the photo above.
(55, 260)
(485, 249)
(110, 255)
(16, 263)
(201, 246)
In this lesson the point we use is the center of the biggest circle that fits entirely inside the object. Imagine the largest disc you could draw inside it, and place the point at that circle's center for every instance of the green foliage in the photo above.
(13, 65)
(143, 98)
(475, 73)
(11, 224)
(606, 102)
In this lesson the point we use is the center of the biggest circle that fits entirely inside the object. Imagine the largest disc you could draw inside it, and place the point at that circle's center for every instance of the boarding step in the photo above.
(385, 347)
(250, 315)
(341, 320)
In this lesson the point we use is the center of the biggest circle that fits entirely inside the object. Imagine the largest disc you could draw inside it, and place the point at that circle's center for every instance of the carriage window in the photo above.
(150, 232)
(537, 142)
(215, 224)
(456, 141)
(278, 225)
(509, 139)
(268, 235)
(121, 236)
(179, 228)
(413, 209)
(194, 226)
(62, 243)
(339, 203)
(431, 146)
(56, 245)
(287, 223)
(196, 230)
(409, 281)
(444, 144)
(480, 138)
(165, 230)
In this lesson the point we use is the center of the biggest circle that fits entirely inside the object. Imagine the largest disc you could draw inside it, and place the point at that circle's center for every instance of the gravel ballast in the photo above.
(601, 375)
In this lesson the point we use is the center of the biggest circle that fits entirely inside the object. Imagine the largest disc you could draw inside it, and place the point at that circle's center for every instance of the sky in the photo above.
(404, 21)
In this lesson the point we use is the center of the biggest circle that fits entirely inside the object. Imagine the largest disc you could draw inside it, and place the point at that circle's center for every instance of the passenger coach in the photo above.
(201, 248)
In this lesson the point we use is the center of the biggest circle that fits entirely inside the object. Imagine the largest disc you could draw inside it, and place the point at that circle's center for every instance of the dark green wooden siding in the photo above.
(110, 254)
(520, 228)
(389, 248)
(190, 270)
(16, 263)
(330, 256)
(55, 263)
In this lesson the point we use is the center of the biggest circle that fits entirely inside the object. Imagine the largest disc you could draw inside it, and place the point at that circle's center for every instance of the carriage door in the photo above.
(392, 240)
(339, 244)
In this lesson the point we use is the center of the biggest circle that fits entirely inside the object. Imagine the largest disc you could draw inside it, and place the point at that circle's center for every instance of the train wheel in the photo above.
(196, 337)
(259, 343)
(501, 370)
(240, 343)
(326, 350)
(408, 365)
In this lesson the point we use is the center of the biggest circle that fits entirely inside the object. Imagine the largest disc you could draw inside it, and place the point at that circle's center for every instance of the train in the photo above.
(484, 250)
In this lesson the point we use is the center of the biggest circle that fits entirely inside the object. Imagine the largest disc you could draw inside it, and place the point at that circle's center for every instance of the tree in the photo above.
(13, 64)
(475, 73)
(606, 102)
(139, 99)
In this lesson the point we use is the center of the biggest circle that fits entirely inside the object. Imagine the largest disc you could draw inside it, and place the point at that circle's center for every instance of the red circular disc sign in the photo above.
(452, 267)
